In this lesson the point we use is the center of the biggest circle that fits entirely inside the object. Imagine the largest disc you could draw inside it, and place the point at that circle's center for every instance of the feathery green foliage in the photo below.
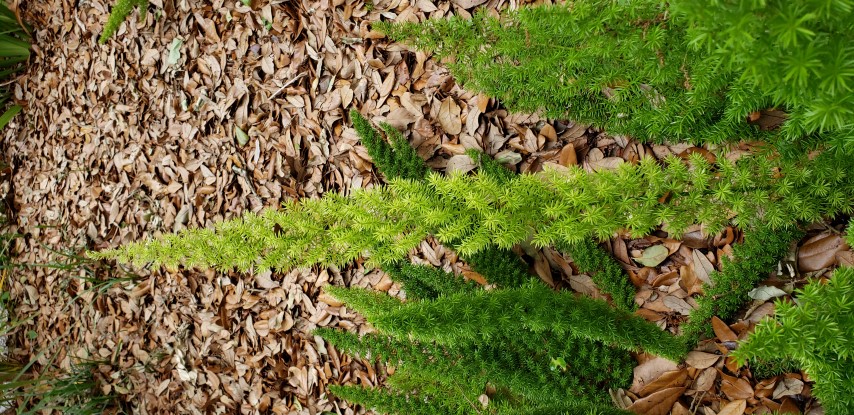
(798, 53)
(532, 368)
(623, 66)
(529, 365)
(424, 282)
(818, 333)
(476, 212)
(120, 12)
(606, 273)
(395, 159)
(480, 316)
(499, 266)
(752, 261)
(685, 70)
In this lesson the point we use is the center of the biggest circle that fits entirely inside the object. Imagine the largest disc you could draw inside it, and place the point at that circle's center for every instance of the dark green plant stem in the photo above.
(752, 261)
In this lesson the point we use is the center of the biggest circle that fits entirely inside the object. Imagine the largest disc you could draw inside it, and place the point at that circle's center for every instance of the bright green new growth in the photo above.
(798, 53)
(606, 273)
(482, 316)
(752, 261)
(473, 213)
(685, 70)
(818, 332)
(120, 12)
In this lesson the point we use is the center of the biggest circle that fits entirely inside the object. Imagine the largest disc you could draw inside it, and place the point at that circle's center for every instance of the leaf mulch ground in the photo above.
(123, 142)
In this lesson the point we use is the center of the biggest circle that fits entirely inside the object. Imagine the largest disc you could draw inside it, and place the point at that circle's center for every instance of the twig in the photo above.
(287, 84)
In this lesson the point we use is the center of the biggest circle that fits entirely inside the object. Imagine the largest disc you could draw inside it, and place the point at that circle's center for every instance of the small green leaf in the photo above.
(175, 51)
(241, 136)
(653, 255)
(32, 334)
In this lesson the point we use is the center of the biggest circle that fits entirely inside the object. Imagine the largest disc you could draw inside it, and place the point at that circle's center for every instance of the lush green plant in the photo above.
(499, 266)
(606, 273)
(476, 212)
(636, 67)
(798, 53)
(751, 263)
(469, 317)
(818, 333)
(14, 53)
(533, 346)
(120, 12)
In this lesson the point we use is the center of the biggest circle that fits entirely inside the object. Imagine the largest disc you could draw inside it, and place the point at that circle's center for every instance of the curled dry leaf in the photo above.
(460, 164)
(735, 388)
(649, 371)
(659, 403)
(701, 360)
(702, 267)
(788, 387)
(706, 379)
(674, 378)
(736, 407)
(449, 117)
(722, 331)
(766, 292)
(820, 251)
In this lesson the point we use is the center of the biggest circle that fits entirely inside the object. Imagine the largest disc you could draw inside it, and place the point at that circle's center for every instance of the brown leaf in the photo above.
(722, 331)
(820, 251)
(468, 4)
(674, 378)
(788, 387)
(567, 155)
(678, 305)
(736, 407)
(649, 371)
(449, 117)
(460, 164)
(658, 403)
(702, 267)
(701, 360)
(735, 388)
(706, 379)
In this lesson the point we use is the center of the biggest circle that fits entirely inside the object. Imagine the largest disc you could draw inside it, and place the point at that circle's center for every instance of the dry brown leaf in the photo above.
(678, 305)
(567, 156)
(460, 164)
(649, 371)
(736, 407)
(468, 4)
(706, 379)
(788, 387)
(702, 267)
(449, 117)
(735, 388)
(820, 251)
(722, 330)
(659, 403)
(701, 360)
(675, 378)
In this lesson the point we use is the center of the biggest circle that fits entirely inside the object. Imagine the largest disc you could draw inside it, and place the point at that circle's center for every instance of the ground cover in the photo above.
(207, 110)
